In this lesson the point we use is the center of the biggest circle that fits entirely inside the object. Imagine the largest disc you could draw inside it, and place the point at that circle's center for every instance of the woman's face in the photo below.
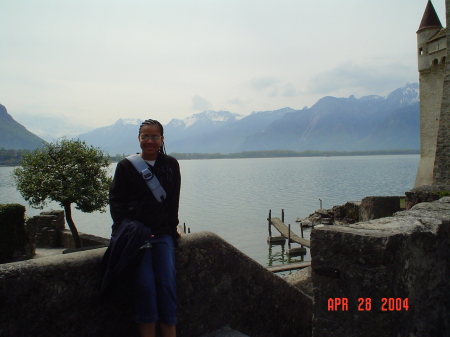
(149, 146)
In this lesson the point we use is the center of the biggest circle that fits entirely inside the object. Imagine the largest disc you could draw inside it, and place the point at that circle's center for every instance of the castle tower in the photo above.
(432, 55)
(442, 162)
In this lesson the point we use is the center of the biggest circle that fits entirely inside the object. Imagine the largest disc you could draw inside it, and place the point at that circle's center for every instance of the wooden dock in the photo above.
(284, 230)
(289, 266)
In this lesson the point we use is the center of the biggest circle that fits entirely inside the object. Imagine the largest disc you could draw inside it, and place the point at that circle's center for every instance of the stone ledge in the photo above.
(217, 286)
(405, 257)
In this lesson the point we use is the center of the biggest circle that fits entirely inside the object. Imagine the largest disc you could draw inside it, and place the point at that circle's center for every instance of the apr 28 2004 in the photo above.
(367, 304)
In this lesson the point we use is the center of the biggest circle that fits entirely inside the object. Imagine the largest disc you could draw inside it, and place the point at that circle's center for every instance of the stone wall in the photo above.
(354, 211)
(426, 193)
(399, 263)
(431, 86)
(379, 207)
(87, 241)
(442, 163)
(359, 270)
(46, 228)
(217, 286)
(434, 107)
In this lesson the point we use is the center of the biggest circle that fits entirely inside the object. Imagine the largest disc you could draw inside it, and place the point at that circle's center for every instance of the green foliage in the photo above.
(442, 194)
(12, 157)
(66, 171)
(13, 235)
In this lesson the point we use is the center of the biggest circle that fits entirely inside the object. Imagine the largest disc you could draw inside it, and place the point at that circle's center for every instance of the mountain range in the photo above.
(346, 124)
(342, 124)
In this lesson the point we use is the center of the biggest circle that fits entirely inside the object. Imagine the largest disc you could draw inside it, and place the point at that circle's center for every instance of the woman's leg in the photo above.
(145, 296)
(168, 330)
(165, 284)
(147, 329)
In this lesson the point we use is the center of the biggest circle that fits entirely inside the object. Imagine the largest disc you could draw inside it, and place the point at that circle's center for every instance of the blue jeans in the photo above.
(155, 285)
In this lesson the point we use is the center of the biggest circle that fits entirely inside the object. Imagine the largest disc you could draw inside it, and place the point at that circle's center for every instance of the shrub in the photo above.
(13, 235)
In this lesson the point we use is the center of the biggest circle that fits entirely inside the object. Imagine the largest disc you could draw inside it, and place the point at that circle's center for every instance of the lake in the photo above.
(232, 197)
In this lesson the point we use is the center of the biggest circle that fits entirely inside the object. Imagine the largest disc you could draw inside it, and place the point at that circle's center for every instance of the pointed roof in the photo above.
(430, 18)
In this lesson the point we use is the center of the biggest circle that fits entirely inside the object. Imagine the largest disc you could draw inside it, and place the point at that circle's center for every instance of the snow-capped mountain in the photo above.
(206, 121)
(406, 95)
(369, 123)
(224, 136)
(346, 124)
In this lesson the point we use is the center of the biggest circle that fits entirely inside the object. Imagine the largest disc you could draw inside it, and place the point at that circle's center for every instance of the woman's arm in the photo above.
(118, 195)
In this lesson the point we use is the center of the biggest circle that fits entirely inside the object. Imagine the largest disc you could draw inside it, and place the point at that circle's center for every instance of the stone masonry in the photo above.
(434, 81)
(46, 229)
(442, 163)
(217, 286)
(384, 277)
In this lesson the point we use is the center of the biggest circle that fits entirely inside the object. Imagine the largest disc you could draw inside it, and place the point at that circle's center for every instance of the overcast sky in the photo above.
(95, 61)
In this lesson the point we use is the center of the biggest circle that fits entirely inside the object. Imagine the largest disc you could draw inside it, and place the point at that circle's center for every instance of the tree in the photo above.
(66, 171)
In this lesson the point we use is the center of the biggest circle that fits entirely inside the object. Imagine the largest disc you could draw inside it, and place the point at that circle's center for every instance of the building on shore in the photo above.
(434, 105)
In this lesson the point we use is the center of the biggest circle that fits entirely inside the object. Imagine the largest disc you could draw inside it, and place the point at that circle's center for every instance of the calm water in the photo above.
(232, 197)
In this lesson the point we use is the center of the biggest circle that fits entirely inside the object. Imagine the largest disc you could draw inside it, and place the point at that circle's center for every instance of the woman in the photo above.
(130, 197)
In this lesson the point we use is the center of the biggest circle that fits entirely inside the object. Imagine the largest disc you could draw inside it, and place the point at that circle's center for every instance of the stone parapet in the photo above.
(217, 286)
(87, 240)
(385, 277)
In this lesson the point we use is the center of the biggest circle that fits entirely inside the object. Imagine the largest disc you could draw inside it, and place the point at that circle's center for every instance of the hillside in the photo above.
(14, 135)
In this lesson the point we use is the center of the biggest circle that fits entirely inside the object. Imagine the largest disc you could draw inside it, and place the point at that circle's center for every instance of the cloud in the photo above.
(201, 104)
(263, 83)
(354, 78)
(235, 101)
(274, 86)
(289, 90)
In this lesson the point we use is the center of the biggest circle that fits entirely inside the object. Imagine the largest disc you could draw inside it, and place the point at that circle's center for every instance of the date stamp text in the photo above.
(366, 304)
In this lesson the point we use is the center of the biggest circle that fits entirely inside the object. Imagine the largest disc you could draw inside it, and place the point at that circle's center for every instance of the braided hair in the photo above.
(164, 172)
(162, 149)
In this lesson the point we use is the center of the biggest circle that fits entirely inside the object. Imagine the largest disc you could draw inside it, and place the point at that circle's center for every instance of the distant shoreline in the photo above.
(288, 153)
(259, 154)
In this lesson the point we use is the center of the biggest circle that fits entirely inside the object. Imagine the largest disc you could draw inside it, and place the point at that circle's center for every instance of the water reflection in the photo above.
(277, 254)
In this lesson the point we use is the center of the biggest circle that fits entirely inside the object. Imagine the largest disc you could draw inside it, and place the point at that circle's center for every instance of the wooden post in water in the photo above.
(301, 228)
(184, 227)
(294, 251)
(268, 220)
(282, 215)
(289, 236)
(276, 240)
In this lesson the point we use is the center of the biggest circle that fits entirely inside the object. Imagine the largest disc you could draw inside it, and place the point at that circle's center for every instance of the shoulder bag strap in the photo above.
(150, 179)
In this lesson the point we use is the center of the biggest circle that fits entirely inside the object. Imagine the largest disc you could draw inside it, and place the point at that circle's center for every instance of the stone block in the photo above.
(351, 211)
(426, 193)
(371, 264)
(378, 207)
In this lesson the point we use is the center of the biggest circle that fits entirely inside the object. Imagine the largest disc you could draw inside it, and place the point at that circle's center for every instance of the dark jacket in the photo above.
(130, 197)
(123, 254)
